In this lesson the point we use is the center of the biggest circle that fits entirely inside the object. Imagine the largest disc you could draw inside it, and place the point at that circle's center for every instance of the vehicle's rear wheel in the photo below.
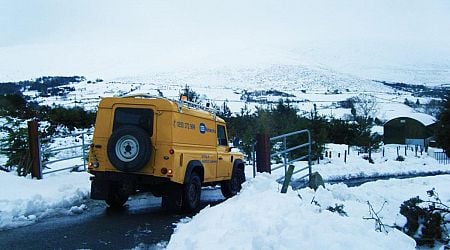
(231, 187)
(191, 193)
(116, 198)
(172, 198)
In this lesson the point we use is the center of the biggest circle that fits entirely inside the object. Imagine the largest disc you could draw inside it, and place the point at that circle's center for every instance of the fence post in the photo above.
(287, 179)
(263, 153)
(35, 149)
(84, 151)
(284, 155)
(345, 156)
(254, 159)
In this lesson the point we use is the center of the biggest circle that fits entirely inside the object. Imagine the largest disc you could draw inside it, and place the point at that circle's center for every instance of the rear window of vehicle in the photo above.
(142, 118)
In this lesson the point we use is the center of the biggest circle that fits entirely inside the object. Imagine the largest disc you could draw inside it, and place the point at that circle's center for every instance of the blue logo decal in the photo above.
(202, 128)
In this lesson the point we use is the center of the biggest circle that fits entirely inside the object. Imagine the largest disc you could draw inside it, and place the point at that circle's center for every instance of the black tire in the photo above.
(116, 199)
(191, 193)
(129, 148)
(172, 198)
(233, 186)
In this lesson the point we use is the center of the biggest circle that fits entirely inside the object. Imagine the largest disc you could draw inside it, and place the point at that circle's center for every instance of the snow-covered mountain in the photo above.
(402, 41)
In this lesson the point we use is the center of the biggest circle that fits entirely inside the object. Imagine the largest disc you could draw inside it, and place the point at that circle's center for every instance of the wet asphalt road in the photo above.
(141, 223)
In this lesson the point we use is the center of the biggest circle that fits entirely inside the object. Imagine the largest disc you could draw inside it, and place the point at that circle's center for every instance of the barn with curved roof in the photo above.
(409, 130)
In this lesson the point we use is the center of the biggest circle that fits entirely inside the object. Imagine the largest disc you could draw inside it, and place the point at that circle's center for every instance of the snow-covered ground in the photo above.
(321, 52)
(337, 167)
(260, 217)
(24, 201)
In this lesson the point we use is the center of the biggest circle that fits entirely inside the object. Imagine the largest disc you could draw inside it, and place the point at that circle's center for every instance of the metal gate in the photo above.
(81, 153)
(284, 151)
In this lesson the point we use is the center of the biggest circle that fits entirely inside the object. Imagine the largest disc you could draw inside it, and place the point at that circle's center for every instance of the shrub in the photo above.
(400, 158)
(425, 219)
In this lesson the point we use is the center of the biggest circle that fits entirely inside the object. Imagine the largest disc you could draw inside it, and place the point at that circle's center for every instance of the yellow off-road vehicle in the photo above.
(166, 147)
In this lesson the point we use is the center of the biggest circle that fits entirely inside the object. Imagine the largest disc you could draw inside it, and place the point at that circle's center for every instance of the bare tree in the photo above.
(364, 112)
(365, 106)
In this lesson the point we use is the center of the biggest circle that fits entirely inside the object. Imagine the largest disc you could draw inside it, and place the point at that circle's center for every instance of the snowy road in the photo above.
(141, 223)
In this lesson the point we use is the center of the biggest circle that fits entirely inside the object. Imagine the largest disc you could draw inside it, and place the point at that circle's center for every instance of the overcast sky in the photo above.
(48, 21)
(88, 33)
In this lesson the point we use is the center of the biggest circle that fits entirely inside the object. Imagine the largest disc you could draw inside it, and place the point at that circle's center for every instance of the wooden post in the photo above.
(263, 153)
(345, 156)
(287, 179)
(35, 151)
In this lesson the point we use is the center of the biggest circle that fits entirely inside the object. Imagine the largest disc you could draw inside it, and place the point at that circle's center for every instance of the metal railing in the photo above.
(83, 146)
(442, 157)
(284, 152)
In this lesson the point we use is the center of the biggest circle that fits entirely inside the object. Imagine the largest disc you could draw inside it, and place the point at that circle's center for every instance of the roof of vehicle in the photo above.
(161, 104)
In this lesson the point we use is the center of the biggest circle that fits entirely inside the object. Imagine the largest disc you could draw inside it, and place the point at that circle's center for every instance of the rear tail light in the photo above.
(94, 164)
(168, 172)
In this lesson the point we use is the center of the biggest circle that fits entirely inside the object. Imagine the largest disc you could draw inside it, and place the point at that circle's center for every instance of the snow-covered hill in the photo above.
(403, 41)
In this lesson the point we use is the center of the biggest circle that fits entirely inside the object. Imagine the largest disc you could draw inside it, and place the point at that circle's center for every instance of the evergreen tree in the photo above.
(318, 128)
(15, 145)
(443, 131)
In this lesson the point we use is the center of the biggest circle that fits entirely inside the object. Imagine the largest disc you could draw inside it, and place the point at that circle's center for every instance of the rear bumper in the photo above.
(102, 183)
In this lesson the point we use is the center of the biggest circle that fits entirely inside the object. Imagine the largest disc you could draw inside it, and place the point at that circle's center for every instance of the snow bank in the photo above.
(24, 200)
(262, 218)
(335, 168)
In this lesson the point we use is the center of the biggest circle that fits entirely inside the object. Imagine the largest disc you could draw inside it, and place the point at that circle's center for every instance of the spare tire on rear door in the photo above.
(129, 148)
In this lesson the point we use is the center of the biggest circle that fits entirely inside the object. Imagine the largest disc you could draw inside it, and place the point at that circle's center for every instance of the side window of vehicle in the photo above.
(221, 136)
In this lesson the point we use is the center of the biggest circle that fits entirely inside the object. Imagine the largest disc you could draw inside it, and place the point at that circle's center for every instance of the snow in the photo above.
(260, 217)
(24, 201)
(402, 41)
(335, 167)
(321, 52)
(423, 118)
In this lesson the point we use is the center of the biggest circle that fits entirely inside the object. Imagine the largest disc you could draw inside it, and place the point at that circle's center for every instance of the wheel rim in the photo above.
(127, 148)
(192, 194)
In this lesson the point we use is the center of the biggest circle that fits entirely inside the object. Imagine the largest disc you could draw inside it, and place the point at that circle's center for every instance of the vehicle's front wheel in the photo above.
(191, 193)
(231, 187)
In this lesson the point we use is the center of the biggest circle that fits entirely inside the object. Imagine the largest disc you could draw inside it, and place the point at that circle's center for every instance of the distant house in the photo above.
(414, 130)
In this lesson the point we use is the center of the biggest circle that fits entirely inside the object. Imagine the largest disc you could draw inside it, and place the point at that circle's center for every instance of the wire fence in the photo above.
(442, 158)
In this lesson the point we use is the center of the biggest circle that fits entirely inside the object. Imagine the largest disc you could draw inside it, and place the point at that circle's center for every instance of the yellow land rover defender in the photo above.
(162, 146)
